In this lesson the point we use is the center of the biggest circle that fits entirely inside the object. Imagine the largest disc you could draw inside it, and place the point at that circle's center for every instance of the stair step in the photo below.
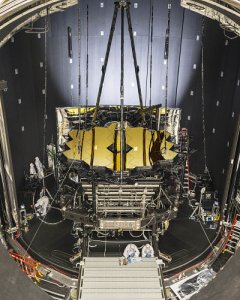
(235, 242)
(228, 245)
(104, 279)
(137, 273)
(234, 236)
(226, 250)
(119, 291)
(137, 296)
(121, 285)
(120, 279)
(237, 229)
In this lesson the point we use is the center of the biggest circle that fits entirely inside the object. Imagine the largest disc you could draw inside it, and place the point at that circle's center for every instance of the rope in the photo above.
(87, 60)
(214, 251)
(45, 94)
(151, 50)
(203, 100)
(166, 52)
(71, 73)
(79, 80)
(179, 57)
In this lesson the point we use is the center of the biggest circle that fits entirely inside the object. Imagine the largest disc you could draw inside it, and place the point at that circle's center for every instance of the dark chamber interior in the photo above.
(22, 66)
(221, 65)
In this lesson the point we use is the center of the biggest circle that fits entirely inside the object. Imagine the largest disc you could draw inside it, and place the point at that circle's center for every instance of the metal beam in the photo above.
(104, 67)
(135, 61)
(122, 5)
(233, 158)
(7, 166)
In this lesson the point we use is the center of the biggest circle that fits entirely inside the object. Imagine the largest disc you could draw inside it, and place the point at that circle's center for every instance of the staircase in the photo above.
(103, 278)
(233, 236)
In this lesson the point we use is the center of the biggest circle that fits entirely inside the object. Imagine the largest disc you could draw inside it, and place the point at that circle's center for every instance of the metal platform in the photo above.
(103, 278)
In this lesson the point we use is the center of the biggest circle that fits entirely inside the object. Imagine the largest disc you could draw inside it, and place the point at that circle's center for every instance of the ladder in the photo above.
(184, 142)
(233, 236)
(104, 278)
(186, 180)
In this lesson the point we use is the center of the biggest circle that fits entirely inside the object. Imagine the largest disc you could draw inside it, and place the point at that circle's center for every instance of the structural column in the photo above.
(232, 172)
(6, 167)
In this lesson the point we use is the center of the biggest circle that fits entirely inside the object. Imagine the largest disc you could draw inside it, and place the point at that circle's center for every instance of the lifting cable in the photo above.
(148, 49)
(203, 100)
(122, 145)
(45, 93)
(151, 50)
(126, 5)
(166, 55)
(87, 60)
(70, 57)
(79, 81)
(179, 58)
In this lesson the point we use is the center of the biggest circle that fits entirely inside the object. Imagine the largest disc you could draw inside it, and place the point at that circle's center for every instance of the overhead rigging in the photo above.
(151, 62)
(203, 99)
(79, 75)
(148, 50)
(166, 56)
(87, 62)
(124, 6)
(151, 59)
(45, 92)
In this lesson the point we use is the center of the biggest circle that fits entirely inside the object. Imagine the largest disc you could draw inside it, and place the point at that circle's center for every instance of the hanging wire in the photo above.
(45, 94)
(71, 73)
(203, 100)
(79, 80)
(87, 61)
(179, 57)
(166, 55)
(151, 50)
(211, 244)
(151, 59)
(148, 50)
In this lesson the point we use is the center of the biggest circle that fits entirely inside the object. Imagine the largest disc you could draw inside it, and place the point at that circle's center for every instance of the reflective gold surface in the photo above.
(100, 146)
